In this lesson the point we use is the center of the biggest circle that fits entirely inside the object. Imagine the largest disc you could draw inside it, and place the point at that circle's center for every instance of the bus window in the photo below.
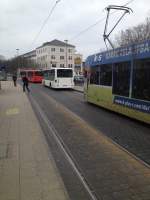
(46, 74)
(22, 73)
(52, 74)
(30, 73)
(121, 78)
(64, 73)
(38, 73)
(141, 80)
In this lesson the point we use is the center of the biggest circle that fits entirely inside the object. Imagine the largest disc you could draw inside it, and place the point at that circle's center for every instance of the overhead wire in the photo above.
(45, 22)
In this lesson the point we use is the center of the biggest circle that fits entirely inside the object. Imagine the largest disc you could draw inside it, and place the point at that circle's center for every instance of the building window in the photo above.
(62, 65)
(70, 57)
(53, 65)
(52, 49)
(121, 79)
(70, 65)
(69, 50)
(61, 50)
(53, 57)
(61, 57)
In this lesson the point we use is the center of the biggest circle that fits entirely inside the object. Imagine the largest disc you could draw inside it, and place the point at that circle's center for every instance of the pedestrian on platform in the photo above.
(14, 77)
(25, 83)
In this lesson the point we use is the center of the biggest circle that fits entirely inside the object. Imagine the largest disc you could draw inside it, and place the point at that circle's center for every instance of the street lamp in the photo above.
(66, 41)
(17, 57)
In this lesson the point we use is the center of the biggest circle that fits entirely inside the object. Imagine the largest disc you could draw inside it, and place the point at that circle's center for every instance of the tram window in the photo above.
(141, 80)
(106, 75)
(121, 79)
(94, 77)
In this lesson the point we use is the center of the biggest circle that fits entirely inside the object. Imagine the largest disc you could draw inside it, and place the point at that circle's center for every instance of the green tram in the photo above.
(119, 80)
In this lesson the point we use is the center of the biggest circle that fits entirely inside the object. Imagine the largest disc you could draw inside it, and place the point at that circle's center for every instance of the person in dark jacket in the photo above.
(14, 77)
(25, 84)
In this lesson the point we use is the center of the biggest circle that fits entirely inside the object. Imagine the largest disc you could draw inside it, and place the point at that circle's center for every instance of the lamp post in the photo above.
(17, 57)
(66, 41)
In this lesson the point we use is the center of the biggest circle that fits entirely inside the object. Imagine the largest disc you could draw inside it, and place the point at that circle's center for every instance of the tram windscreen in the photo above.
(141, 80)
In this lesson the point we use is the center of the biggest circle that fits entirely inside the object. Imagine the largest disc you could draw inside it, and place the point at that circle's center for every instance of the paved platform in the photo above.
(27, 168)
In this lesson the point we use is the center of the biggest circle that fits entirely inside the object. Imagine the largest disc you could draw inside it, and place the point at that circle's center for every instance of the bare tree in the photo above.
(13, 64)
(134, 34)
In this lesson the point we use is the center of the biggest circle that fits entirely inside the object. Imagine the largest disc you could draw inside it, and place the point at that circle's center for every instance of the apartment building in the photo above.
(55, 54)
(30, 55)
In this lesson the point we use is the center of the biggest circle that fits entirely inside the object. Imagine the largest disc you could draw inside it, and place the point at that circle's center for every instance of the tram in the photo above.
(119, 80)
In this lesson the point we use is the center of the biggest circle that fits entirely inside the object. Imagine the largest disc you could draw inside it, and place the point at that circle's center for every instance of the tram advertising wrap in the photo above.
(119, 80)
(133, 103)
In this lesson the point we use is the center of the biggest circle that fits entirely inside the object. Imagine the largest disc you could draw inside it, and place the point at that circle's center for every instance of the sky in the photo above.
(21, 20)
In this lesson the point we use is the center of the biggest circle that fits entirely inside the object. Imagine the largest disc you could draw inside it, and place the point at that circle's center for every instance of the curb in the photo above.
(78, 90)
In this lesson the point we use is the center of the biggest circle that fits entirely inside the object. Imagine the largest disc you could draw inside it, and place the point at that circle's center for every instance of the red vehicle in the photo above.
(34, 76)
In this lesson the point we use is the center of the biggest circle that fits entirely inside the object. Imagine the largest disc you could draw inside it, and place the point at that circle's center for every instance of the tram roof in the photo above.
(139, 50)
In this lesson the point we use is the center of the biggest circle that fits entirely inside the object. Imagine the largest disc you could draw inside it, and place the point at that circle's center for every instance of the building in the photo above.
(78, 67)
(28, 60)
(55, 54)
(30, 55)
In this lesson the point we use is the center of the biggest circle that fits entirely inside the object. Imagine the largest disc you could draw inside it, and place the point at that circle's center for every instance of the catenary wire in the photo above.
(45, 22)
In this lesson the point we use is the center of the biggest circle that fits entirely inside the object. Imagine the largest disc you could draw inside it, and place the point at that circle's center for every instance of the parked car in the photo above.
(78, 79)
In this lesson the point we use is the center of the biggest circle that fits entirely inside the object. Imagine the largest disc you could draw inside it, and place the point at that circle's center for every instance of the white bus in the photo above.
(58, 78)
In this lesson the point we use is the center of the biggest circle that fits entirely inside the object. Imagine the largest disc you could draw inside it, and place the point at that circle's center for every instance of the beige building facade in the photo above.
(55, 54)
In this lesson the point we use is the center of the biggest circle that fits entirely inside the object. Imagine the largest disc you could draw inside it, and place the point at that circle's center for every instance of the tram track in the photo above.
(86, 150)
(65, 150)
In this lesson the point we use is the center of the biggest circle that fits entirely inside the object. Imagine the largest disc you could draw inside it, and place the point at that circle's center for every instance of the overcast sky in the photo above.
(21, 20)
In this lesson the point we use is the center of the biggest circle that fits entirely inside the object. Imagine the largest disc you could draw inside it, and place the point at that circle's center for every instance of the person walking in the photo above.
(25, 84)
(14, 80)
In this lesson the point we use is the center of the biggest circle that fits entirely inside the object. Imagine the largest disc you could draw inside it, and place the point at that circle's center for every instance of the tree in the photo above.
(134, 34)
(13, 64)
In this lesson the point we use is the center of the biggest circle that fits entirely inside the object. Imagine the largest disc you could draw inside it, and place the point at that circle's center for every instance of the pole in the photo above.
(66, 53)
(17, 57)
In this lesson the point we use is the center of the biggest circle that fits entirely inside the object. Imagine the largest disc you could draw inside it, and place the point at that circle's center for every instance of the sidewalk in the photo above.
(27, 168)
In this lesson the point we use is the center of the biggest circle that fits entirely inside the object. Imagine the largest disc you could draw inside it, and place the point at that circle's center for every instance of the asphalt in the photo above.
(111, 172)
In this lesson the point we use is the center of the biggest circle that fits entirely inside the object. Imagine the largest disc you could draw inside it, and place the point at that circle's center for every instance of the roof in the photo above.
(57, 43)
(30, 53)
(122, 54)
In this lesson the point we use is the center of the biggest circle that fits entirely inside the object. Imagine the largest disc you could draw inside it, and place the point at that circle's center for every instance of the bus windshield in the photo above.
(64, 73)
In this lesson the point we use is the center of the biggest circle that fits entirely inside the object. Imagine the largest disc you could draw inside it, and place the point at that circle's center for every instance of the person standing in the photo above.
(25, 84)
(14, 80)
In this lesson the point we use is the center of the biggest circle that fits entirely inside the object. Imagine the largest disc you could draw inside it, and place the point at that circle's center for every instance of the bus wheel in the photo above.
(50, 85)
